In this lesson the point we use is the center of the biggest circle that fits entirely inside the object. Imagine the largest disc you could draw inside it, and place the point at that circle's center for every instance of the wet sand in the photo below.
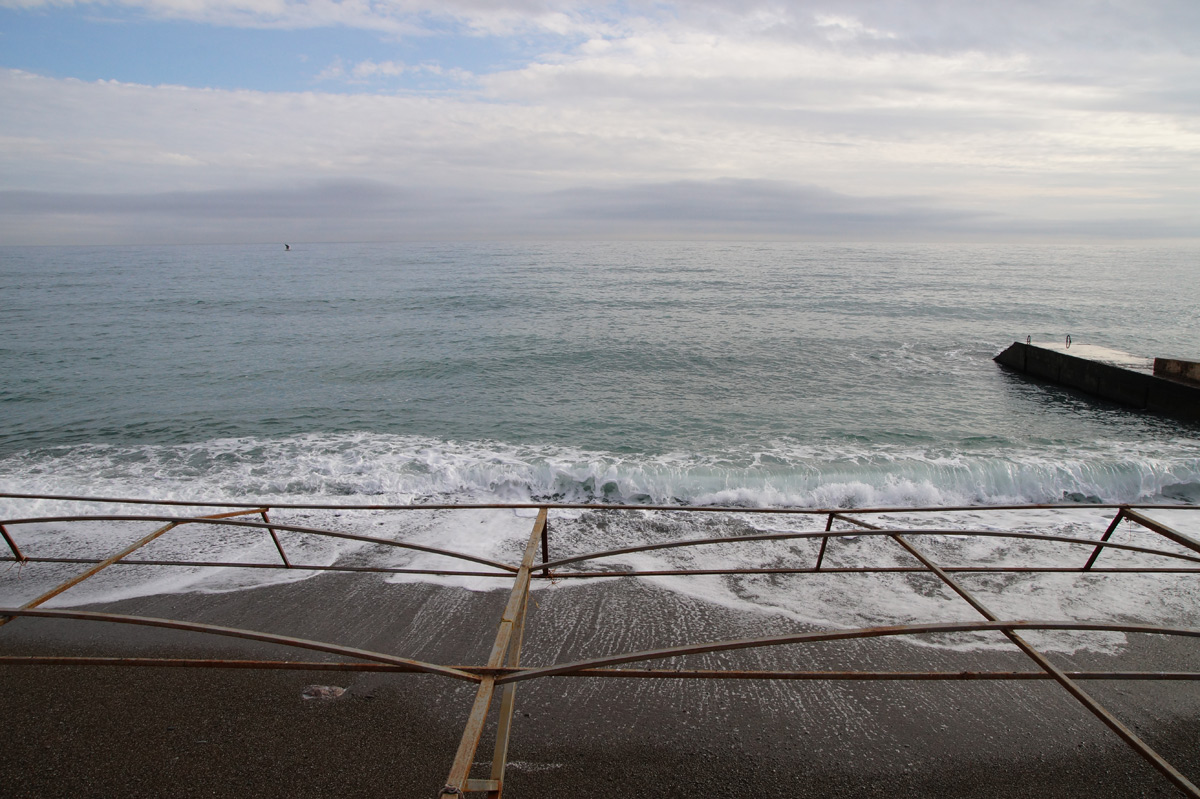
(101, 731)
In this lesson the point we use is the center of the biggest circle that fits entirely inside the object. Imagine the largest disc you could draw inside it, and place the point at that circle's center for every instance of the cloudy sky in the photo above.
(268, 120)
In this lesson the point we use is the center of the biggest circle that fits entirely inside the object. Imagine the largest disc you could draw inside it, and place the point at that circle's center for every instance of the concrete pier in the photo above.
(1164, 385)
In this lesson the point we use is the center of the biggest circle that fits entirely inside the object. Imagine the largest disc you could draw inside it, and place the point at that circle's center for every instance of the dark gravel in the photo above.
(76, 731)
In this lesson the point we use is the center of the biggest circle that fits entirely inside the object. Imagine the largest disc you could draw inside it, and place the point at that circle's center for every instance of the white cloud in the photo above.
(991, 119)
(842, 28)
(367, 71)
(391, 69)
(1101, 26)
(398, 17)
(981, 143)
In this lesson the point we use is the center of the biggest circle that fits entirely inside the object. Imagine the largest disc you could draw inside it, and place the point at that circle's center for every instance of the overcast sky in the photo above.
(148, 121)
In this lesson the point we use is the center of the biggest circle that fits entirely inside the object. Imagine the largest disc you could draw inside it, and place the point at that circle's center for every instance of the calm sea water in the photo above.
(807, 374)
(751, 374)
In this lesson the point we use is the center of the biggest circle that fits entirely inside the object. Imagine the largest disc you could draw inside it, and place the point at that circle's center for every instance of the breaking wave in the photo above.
(404, 469)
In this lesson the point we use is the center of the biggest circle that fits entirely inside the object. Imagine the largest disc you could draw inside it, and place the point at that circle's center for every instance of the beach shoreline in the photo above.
(127, 731)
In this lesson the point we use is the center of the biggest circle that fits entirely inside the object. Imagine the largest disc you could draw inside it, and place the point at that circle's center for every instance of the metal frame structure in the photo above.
(496, 680)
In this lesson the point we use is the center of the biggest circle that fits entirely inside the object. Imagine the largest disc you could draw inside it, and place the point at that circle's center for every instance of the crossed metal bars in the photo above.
(502, 670)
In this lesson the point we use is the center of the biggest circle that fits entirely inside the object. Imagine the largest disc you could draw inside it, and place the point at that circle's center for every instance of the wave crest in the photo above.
(403, 469)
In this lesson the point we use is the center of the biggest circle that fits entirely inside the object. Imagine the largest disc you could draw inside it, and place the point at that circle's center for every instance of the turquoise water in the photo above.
(775, 373)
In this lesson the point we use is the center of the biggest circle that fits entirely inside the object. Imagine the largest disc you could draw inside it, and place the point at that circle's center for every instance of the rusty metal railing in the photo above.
(496, 680)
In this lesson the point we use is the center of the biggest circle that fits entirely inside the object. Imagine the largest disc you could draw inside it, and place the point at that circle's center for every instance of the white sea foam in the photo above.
(398, 470)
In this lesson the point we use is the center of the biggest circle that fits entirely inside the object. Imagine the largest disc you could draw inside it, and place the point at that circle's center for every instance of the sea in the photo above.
(749, 374)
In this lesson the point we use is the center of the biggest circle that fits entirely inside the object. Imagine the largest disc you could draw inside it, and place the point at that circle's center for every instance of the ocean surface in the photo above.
(772, 374)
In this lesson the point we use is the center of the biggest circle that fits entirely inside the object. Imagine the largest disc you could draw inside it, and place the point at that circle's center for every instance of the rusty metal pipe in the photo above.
(1165, 531)
(1098, 710)
(262, 525)
(275, 538)
(221, 564)
(824, 543)
(76, 580)
(594, 575)
(869, 531)
(1107, 534)
(666, 674)
(591, 506)
(511, 626)
(237, 632)
(11, 544)
(857, 633)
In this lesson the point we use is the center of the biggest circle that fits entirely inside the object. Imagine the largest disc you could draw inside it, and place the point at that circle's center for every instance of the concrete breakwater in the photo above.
(1164, 385)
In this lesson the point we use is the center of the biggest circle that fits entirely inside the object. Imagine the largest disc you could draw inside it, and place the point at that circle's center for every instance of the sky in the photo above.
(192, 121)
